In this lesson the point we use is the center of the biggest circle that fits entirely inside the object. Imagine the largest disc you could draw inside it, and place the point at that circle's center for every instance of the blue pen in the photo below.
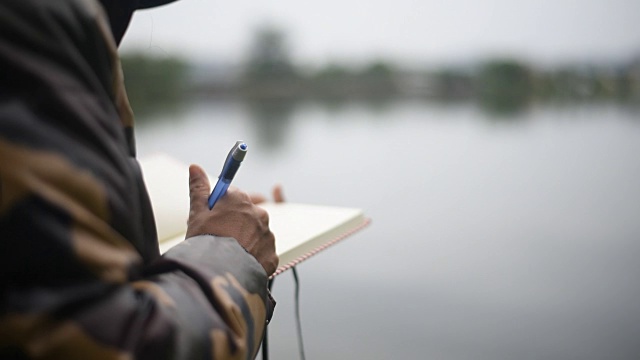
(231, 166)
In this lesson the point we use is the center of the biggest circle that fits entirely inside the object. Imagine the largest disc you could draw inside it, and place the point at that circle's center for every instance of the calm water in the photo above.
(512, 237)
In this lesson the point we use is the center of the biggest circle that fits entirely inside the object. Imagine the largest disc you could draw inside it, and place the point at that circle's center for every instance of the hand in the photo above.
(276, 193)
(234, 215)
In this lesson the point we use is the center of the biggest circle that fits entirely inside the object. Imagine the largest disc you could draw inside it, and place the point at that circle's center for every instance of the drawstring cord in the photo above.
(265, 340)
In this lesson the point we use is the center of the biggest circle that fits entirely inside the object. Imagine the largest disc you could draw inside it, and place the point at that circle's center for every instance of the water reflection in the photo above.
(271, 120)
(154, 110)
(487, 242)
(504, 107)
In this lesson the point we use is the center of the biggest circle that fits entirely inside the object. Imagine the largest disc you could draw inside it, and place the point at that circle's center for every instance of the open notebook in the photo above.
(301, 230)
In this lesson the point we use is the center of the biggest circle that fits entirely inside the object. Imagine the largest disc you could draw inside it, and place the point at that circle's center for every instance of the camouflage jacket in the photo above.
(81, 276)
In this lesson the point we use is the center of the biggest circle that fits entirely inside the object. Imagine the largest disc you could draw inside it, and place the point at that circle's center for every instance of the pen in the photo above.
(231, 166)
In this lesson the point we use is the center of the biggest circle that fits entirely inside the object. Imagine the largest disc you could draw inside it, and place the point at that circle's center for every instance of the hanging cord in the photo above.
(297, 306)
(265, 339)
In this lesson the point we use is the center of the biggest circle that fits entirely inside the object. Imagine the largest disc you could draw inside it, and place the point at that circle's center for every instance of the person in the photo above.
(81, 276)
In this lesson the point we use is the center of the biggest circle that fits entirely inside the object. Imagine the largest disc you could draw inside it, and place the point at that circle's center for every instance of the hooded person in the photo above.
(81, 276)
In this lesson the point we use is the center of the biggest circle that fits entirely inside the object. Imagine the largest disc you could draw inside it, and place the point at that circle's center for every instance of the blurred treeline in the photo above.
(151, 81)
(269, 73)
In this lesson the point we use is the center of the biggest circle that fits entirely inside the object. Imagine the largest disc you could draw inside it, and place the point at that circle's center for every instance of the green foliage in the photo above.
(378, 69)
(153, 81)
(504, 85)
(333, 71)
(499, 85)
(375, 70)
(269, 57)
(452, 84)
(585, 83)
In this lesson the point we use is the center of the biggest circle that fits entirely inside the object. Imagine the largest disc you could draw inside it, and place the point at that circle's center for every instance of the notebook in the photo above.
(301, 230)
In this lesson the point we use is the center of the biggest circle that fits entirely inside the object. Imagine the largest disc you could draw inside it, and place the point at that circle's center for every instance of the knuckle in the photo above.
(273, 264)
(271, 238)
(263, 215)
(239, 194)
(265, 233)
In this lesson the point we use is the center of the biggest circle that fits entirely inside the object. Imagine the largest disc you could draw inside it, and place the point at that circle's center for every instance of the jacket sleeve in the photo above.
(80, 273)
(74, 284)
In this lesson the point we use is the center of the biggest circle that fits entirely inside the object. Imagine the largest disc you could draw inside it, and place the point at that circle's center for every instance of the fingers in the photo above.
(277, 194)
(257, 198)
(199, 188)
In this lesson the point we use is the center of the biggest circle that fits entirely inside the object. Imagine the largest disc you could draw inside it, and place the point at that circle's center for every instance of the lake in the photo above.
(493, 236)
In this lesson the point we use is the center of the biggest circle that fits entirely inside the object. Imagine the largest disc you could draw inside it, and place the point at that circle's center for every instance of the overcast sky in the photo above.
(405, 31)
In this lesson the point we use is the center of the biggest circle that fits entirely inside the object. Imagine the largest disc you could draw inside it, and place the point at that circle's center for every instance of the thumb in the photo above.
(199, 189)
